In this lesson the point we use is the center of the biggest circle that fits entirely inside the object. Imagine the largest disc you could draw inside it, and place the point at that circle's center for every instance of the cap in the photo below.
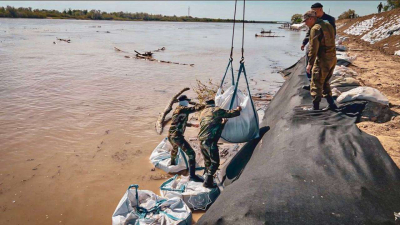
(183, 98)
(210, 101)
(309, 14)
(317, 5)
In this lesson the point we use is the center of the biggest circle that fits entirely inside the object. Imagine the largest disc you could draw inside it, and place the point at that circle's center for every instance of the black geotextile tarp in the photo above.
(309, 168)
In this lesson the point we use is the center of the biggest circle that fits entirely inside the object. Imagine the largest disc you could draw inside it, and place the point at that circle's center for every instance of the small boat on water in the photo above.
(265, 31)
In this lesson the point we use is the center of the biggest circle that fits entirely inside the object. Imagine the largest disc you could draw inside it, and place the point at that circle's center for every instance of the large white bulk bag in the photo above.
(344, 82)
(363, 93)
(141, 207)
(161, 158)
(242, 128)
(193, 193)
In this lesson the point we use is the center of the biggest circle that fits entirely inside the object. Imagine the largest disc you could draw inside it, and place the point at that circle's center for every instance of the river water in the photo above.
(77, 119)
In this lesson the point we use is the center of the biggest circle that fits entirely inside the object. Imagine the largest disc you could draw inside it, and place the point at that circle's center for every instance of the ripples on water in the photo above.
(54, 95)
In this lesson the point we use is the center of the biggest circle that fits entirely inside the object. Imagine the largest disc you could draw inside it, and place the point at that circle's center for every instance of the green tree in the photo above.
(296, 18)
(348, 14)
(392, 4)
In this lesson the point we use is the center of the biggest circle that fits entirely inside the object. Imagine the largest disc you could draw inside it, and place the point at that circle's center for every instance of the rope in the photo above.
(244, 9)
(233, 33)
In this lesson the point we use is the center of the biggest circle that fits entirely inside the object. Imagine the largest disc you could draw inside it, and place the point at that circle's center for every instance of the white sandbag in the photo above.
(141, 207)
(341, 48)
(344, 71)
(193, 193)
(344, 82)
(161, 158)
(344, 56)
(336, 92)
(244, 127)
(363, 93)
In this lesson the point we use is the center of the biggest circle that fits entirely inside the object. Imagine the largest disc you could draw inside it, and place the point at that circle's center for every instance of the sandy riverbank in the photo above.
(378, 68)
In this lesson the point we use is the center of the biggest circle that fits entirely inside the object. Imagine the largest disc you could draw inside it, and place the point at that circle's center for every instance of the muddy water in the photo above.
(77, 119)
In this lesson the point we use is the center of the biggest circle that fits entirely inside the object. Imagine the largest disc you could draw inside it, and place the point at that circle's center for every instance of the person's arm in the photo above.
(192, 109)
(333, 23)
(315, 33)
(306, 40)
(192, 125)
(229, 113)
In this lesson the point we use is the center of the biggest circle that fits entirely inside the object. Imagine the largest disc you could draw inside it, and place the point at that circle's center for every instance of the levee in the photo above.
(310, 168)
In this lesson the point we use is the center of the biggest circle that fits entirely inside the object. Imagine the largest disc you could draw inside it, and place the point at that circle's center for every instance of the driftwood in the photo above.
(148, 56)
(161, 117)
(66, 40)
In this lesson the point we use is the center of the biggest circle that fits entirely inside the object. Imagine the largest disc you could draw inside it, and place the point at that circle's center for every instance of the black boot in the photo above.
(331, 104)
(209, 182)
(192, 172)
(306, 87)
(173, 161)
(315, 106)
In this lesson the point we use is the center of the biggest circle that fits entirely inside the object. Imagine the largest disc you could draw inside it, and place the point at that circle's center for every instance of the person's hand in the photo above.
(308, 68)
(302, 47)
(239, 108)
(196, 125)
(224, 120)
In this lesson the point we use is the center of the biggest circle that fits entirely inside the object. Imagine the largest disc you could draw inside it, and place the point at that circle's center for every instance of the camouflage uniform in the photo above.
(177, 129)
(322, 56)
(211, 126)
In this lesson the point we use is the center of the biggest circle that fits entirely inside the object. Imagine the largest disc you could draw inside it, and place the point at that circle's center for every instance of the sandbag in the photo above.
(341, 48)
(244, 127)
(344, 82)
(161, 158)
(345, 57)
(344, 71)
(363, 93)
(193, 193)
(141, 207)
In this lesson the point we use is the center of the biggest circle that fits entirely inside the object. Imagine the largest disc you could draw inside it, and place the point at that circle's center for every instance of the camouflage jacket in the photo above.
(180, 118)
(211, 122)
(322, 41)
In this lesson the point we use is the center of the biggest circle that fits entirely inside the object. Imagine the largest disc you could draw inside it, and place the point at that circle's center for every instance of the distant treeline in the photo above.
(11, 12)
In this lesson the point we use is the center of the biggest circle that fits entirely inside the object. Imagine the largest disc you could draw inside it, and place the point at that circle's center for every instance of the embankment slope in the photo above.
(311, 168)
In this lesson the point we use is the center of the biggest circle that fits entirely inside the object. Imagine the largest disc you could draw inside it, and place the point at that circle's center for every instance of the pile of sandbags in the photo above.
(142, 207)
(193, 193)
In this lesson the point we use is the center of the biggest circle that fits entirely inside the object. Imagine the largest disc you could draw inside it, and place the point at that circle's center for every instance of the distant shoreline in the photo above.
(222, 21)
(29, 13)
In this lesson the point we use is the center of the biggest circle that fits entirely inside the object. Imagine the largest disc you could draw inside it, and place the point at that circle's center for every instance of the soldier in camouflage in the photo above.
(211, 125)
(177, 129)
(322, 59)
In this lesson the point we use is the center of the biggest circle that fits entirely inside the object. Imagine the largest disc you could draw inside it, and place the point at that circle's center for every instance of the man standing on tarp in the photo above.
(322, 59)
(318, 8)
(211, 125)
(177, 129)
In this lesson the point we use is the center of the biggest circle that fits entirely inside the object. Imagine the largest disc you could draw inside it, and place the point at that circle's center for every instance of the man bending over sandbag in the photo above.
(177, 129)
(322, 59)
(211, 125)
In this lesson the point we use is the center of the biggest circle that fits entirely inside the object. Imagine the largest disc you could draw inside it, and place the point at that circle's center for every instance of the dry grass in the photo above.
(205, 91)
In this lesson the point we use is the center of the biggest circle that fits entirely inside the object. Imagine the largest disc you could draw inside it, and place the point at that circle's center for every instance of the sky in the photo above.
(255, 10)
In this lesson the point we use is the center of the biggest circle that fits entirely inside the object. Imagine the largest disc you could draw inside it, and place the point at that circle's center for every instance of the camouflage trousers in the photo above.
(321, 74)
(180, 142)
(209, 149)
